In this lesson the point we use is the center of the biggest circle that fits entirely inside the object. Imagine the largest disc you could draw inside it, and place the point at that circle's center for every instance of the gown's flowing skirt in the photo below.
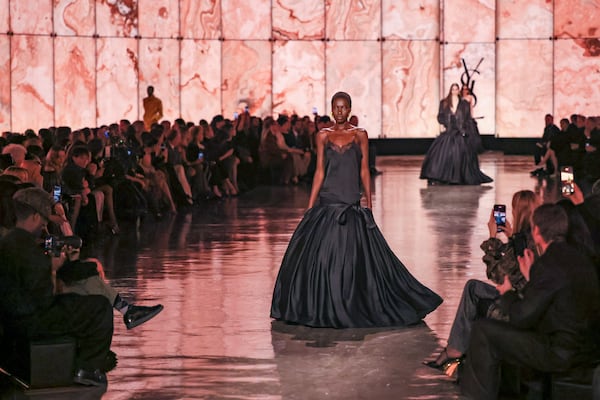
(338, 271)
(450, 159)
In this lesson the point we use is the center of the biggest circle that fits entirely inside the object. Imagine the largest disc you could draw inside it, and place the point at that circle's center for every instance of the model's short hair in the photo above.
(342, 95)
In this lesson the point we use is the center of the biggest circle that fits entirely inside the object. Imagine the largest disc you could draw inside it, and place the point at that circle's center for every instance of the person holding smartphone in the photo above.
(479, 299)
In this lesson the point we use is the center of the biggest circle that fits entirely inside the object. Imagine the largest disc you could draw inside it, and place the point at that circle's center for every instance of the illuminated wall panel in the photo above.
(293, 20)
(410, 19)
(576, 79)
(524, 86)
(411, 80)
(298, 77)
(480, 59)
(200, 19)
(246, 77)
(32, 82)
(31, 17)
(75, 81)
(159, 67)
(353, 20)
(158, 18)
(74, 18)
(88, 62)
(200, 79)
(116, 80)
(5, 122)
(467, 21)
(346, 71)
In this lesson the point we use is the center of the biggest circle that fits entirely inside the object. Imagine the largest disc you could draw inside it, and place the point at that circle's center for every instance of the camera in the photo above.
(53, 244)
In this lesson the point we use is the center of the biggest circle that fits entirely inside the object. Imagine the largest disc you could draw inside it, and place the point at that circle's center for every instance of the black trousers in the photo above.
(496, 342)
(89, 319)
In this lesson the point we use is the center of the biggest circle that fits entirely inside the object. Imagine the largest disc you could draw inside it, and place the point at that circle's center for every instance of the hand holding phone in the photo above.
(567, 187)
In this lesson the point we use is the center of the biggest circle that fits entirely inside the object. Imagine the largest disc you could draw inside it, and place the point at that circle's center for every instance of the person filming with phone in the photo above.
(480, 299)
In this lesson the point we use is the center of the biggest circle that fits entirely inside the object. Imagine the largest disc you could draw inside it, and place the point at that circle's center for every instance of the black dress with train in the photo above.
(451, 159)
(338, 271)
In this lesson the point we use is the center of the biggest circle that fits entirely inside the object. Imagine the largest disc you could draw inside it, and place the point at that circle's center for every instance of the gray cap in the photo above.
(36, 198)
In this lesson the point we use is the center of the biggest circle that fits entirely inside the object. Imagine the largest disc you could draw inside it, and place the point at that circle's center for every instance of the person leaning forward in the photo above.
(551, 327)
(28, 306)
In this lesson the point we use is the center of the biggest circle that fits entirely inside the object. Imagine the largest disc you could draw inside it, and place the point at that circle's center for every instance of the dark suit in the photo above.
(549, 327)
(29, 309)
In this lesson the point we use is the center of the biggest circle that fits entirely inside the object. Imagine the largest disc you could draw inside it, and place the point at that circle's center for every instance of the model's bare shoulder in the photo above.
(361, 133)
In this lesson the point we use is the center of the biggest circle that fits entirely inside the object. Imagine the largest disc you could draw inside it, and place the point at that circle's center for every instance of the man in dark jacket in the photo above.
(550, 326)
(28, 306)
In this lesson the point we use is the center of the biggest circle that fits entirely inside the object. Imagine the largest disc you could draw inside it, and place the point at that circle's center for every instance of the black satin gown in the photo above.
(338, 271)
(452, 158)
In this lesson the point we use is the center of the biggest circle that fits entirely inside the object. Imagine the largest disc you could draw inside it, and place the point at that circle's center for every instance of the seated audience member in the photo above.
(273, 152)
(53, 166)
(178, 182)
(480, 299)
(17, 152)
(550, 323)
(543, 146)
(28, 306)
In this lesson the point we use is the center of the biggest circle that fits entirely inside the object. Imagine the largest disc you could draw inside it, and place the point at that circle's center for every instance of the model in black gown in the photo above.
(338, 270)
(451, 159)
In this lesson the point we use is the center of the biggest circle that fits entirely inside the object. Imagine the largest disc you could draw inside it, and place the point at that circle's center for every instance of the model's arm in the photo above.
(365, 175)
(320, 170)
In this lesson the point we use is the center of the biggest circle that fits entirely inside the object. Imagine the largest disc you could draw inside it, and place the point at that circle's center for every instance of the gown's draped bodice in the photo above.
(341, 183)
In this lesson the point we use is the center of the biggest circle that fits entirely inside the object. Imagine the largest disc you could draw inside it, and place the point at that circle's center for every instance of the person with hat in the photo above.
(28, 306)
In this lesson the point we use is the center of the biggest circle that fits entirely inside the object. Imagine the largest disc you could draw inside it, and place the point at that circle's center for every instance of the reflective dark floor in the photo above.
(213, 269)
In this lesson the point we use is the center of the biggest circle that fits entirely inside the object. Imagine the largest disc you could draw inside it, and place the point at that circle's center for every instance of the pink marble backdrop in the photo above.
(117, 18)
(576, 79)
(294, 20)
(158, 18)
(74, 18)
(519, 19)
(353, 19)
(411, 79)
(410, 19)
(31, 16)
(75, 81)
(32, 82)
(5, 123)
(159, 67)
(353, 67)
(200, 19)
(298, 76)
(246, 20)
(524, 87)
(247, 79)
(200, 80)
(485, 80)
(467, 21)
(577, 18)
(4, 16)
(116, 80)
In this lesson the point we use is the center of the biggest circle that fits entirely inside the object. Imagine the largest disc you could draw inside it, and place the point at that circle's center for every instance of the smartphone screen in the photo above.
(200, 156)
(500, 215)
(314, 110)
(566, 181)
(57, 193)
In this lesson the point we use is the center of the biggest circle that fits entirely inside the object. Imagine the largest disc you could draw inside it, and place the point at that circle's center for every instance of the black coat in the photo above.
(462, 115)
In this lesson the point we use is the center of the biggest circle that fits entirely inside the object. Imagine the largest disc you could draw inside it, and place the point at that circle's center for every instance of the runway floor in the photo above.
(213, 268)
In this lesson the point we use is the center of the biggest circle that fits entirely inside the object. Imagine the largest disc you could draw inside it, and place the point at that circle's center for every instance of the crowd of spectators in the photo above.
(575, 144)
(124, 170)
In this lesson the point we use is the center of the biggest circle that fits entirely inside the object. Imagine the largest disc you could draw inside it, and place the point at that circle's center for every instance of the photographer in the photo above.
(28, 306)
(480, 299)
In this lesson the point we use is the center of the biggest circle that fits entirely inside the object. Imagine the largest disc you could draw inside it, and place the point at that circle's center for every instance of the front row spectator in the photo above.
(550, 326)
(28, 306)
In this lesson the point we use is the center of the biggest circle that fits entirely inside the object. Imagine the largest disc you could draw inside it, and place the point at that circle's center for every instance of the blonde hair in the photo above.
(524, 202)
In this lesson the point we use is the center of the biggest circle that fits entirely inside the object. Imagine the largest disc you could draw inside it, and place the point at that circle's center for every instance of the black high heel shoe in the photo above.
(442, 361)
